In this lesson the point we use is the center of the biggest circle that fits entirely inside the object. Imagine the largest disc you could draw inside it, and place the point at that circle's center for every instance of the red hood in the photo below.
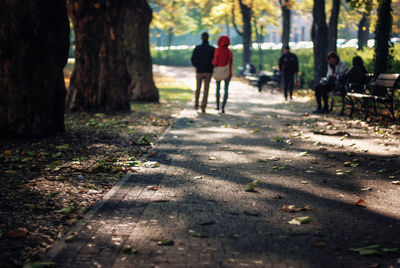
(224, 41)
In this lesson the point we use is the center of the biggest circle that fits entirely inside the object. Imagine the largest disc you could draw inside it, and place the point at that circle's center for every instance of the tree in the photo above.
(382, 37)
(333, 25)
(286, 21)
(34, 43)
(100, 79)
(138, 59)
(319, 34)
(172, 17)
(246, 12)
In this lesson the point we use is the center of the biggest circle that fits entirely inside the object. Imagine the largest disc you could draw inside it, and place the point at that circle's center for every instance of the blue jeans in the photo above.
(226, 84)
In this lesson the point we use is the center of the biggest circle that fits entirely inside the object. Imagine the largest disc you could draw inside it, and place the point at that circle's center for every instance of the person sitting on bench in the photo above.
(356, 76)
(336, 70)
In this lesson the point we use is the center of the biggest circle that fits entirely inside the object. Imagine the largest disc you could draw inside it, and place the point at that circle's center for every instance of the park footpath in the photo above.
(224, 190)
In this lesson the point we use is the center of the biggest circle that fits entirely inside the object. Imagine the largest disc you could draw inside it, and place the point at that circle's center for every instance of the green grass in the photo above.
(175, 94)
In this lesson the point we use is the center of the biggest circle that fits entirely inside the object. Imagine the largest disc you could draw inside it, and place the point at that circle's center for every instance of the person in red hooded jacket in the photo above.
(223, 56)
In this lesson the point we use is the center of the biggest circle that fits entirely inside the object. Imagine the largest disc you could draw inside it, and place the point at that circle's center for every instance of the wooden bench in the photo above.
(260, 80)
(380, 92)
(344, 88)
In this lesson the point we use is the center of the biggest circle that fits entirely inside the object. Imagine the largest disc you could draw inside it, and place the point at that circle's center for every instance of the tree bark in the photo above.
(138, 59)
(100, 81)
(320, 39)
(34, 43)
(382, 36)
(363, 31)
(246, 15)
(333, 25)
(286, 22)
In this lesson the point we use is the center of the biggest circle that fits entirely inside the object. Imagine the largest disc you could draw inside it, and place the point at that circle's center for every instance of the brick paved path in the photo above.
(202, 208)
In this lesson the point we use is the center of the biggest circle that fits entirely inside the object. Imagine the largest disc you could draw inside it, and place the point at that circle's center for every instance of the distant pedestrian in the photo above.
(202, 57)
(289, 66)
(222, 57)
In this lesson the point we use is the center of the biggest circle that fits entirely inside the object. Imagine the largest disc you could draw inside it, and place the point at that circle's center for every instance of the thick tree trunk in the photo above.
(138, 59)
(363, 31)
(382, 36)
(333, 25)
(34, 43)
(286, 22)
(246, 15)
(320, 39)
(100, 81)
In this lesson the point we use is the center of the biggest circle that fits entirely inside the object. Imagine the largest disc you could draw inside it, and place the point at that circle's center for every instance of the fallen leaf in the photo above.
(366, 189)
(250, 187)
(293, 208)
(165, 242)
(40, 264)
(319, 244)
(70, 238)
(310, 171)
(360, 203)
(129, 250)
(63, 146)
(19, 232)
(370, 250)
(199, 235)
(65, 210)
(212, 158)
(300, 220)
(390, 250)
(151, 164)
(303, 154)
(152, 187)
(256, 130)
(198, 177)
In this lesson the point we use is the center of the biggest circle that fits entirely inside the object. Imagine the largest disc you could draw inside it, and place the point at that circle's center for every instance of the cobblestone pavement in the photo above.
(201, 215)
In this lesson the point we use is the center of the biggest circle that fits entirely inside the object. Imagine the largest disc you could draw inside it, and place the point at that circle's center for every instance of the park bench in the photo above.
(261, 80)
(344, 88)
(382, 92)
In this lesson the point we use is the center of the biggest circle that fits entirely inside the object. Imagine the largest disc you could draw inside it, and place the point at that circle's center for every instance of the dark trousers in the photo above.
(322, 90)
(288, 85)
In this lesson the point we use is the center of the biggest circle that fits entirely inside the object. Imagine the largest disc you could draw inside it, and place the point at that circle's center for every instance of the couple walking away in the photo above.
(204, 58)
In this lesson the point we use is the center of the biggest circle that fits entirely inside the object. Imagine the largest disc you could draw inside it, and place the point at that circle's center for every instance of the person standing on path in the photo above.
(289, 66)
(201, 59)
(223, 56)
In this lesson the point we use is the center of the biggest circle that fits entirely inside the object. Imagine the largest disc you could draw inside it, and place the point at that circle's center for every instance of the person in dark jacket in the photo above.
(202, 57)
(356, 76)
(289, 66)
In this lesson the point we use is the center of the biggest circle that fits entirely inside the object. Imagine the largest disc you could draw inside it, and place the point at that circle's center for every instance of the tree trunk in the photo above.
(138, 59)
(246, 15)
(100, 79)
(286, 22)
(320, 39)
(382, 37)
(34, 43)
(333, 25)
(363, 31)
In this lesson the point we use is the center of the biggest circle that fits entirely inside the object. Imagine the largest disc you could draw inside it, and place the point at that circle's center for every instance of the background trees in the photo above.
(34, 43)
